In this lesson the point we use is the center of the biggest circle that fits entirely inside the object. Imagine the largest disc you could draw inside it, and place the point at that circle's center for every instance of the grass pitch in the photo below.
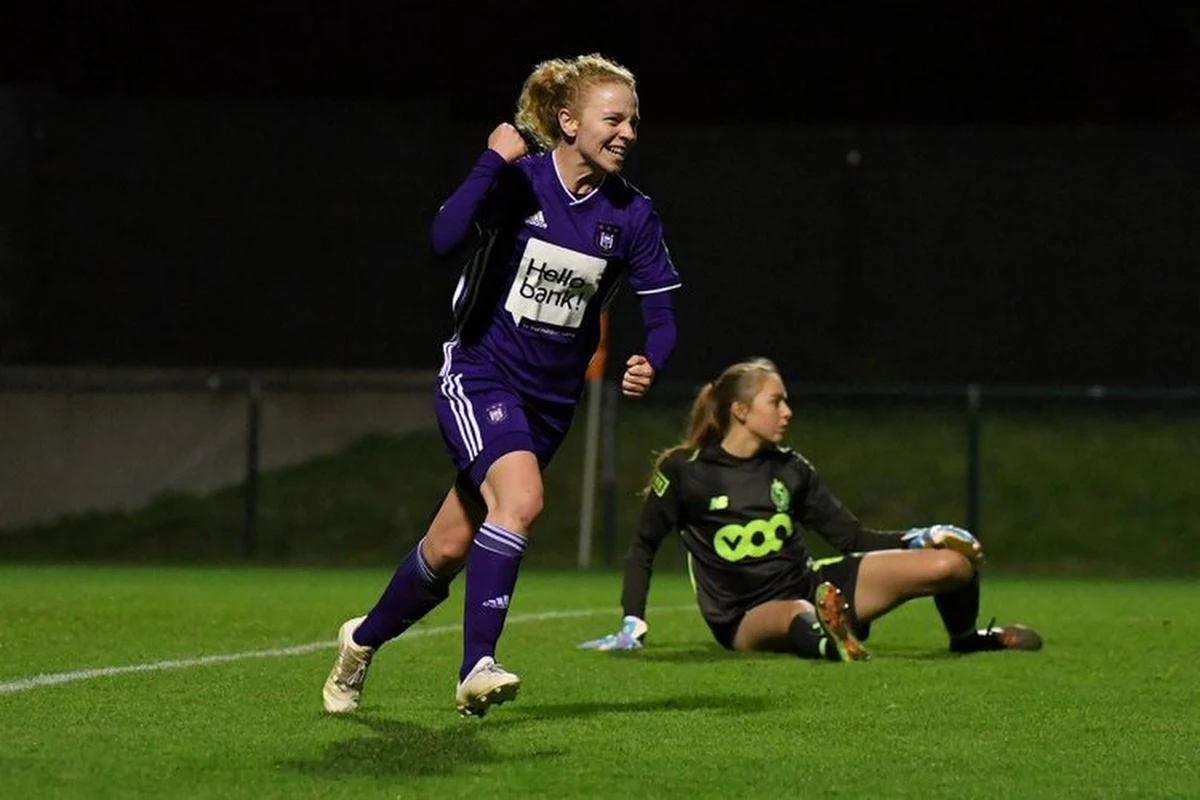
(138, 682)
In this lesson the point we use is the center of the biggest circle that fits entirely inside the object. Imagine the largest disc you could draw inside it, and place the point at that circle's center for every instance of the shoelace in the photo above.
(1006, 638)
(355, 678)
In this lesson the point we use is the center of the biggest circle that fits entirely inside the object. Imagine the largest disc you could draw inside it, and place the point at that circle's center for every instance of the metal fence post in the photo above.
(591, 448)
(608, 477)
(250, 507)
(974, 400)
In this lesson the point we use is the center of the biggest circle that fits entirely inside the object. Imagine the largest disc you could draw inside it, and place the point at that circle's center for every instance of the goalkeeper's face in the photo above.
(767, 414)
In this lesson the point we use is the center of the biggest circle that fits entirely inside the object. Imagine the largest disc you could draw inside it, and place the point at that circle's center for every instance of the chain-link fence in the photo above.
(346, 467)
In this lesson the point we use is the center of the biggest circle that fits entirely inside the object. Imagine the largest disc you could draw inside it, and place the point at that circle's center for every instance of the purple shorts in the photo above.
(482, 417)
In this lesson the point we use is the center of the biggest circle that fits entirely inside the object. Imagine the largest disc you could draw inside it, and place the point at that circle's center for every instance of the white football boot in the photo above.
(343, 687)
(487, 684)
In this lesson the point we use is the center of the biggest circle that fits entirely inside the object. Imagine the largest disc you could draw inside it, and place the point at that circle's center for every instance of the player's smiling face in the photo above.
(604, 125)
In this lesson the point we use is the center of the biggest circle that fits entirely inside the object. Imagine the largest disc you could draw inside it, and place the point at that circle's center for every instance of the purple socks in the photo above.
(414, 591)
(492, 567)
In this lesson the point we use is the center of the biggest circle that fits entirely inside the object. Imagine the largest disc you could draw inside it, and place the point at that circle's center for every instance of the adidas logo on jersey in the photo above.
(500, 602)
(537, 220)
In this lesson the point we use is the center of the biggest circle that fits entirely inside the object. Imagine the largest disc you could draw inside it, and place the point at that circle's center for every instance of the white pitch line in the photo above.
(56, 678)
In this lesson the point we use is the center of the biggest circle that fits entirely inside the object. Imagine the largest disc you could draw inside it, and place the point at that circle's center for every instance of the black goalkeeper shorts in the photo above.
(841, 571)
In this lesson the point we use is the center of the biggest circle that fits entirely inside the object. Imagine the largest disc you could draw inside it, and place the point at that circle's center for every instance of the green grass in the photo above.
(1063, 492)
(1108, 709)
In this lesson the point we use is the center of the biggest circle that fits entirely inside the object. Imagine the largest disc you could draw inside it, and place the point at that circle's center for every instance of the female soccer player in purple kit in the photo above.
(554, 235)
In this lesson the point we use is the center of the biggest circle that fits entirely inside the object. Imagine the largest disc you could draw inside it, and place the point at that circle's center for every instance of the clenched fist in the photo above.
(506, 140)
(639, 374)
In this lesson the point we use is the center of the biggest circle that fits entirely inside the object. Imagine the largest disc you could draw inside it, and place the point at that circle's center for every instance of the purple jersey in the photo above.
(530, 297)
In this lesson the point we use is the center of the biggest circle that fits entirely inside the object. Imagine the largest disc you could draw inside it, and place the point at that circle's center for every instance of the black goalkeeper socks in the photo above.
(959, 608)
(810, 641)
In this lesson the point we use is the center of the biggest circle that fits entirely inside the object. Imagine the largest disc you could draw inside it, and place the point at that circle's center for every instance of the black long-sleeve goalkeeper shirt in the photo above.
(739, 519)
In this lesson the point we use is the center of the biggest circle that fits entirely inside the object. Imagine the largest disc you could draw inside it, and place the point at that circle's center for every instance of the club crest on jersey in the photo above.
(606, 236)
(780, 496)
(496, 413)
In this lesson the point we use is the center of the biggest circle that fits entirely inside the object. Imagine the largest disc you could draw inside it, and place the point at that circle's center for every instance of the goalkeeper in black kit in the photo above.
(739, 499)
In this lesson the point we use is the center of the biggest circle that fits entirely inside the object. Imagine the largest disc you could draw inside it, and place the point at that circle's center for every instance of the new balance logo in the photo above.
(537, 220)
(500, 602)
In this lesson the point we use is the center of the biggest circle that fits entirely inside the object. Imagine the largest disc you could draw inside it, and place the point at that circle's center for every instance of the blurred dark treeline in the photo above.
(926, 194)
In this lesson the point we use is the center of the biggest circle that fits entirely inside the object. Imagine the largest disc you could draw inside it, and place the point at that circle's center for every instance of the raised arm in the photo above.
(456, 220)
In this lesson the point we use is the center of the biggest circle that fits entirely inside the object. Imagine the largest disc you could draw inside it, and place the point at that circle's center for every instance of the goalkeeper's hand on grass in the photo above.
(630, 637)
(949, 537)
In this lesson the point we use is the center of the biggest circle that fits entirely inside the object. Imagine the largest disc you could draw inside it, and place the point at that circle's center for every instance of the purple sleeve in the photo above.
(455, 220)
(658, 316)
(650, 267)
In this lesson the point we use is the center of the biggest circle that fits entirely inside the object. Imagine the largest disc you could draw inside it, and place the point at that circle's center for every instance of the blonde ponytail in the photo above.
(711, 410)
(560, 83)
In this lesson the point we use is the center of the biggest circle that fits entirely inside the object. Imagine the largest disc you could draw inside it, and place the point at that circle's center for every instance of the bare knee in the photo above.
(513, 491)
(446, 550)
(450, 533)
(766, 627)
(517, 510)
(951, 569)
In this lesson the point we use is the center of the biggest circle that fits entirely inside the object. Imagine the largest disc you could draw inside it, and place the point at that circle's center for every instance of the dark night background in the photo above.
(920, 192)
